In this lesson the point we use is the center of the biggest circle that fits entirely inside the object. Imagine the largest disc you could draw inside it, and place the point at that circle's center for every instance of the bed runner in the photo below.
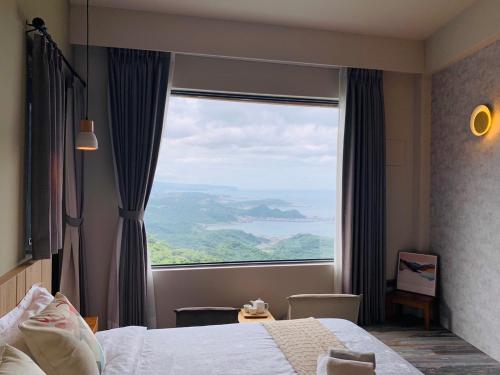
(302, 341)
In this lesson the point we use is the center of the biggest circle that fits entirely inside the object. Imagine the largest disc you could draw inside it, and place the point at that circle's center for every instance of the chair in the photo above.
(204, 316)
(342, 306)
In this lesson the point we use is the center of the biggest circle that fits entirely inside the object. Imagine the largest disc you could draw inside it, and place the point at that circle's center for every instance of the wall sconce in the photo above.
(480, 120)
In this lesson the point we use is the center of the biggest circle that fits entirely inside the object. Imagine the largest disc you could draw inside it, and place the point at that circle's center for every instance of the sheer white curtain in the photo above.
(72, 279)
(338, 259)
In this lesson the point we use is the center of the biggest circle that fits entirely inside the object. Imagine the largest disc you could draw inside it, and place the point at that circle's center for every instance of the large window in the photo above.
(244, 181)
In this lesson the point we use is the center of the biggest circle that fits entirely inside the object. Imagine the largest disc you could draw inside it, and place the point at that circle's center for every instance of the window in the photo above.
(244, 181)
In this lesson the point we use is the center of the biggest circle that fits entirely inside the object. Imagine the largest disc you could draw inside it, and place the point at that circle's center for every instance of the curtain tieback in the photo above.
(74, 221)
(131, 214)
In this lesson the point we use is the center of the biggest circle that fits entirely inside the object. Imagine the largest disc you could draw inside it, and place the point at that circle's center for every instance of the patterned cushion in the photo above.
(14, 361)
(61, 342)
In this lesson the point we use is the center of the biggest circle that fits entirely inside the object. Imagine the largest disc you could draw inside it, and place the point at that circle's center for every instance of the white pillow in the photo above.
(13, 361)
(35, 300)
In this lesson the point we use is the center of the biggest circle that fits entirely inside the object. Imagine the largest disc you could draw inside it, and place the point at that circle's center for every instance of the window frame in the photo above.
(217, 95)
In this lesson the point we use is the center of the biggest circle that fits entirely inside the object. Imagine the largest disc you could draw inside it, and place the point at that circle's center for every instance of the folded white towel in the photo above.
(333, 366)
(353, 356)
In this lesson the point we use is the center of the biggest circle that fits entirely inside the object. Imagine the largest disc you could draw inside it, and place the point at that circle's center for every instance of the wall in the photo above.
(13, 15)
(233, 285)
(100, 212)
(202, 38)
(244, 40)
(402, 166)
(473, 29)
(230, 75)
(465, 203)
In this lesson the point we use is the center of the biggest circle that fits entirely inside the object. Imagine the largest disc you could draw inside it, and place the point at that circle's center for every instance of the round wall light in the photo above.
(480, 120)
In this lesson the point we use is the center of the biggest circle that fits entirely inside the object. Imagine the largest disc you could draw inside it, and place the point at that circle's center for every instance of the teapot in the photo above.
(260, 306)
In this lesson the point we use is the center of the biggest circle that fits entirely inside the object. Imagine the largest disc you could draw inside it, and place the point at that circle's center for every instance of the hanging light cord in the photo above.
(87, 53)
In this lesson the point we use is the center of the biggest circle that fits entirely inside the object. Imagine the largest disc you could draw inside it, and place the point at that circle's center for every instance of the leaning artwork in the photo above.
(417, 273)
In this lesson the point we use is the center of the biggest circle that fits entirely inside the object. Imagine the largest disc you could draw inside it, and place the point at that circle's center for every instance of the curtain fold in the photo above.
(363, 193)
(73, 260)
(48, 114)
(138, 90)
(339, 241)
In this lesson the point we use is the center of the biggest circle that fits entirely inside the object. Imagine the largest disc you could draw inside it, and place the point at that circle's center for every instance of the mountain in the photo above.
(264, 212)
(177, 226)
(203, 208)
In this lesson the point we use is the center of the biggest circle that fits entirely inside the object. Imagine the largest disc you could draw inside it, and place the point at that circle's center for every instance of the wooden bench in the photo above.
(415, 300)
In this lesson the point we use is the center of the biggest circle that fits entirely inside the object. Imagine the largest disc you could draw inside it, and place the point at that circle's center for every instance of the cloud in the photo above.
(203, 134)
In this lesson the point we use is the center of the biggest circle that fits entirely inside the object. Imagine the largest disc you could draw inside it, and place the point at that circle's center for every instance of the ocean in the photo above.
(317, 206)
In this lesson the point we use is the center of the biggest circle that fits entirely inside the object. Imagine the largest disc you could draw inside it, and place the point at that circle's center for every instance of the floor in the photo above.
(435, 352)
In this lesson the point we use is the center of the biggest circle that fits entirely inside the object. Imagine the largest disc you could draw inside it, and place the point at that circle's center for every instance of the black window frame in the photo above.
(289, 100)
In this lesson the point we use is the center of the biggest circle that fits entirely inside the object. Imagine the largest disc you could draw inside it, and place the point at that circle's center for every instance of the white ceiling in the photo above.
(411, 19)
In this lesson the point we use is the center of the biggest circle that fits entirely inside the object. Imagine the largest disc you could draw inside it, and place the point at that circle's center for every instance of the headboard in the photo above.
(15, 283)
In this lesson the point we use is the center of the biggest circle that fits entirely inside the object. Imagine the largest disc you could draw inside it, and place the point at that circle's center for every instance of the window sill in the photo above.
(204, 266)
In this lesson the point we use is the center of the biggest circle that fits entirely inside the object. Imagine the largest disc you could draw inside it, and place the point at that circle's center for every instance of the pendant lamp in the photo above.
(86, 139)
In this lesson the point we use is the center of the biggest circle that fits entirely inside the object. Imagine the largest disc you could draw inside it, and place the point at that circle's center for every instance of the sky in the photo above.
(249, 145)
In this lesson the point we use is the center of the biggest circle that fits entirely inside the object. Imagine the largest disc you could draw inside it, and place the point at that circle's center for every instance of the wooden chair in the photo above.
(342, 306)
(204, 316)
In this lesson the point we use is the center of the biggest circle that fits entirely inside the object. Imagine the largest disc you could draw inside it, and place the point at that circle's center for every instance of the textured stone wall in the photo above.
(465, 199)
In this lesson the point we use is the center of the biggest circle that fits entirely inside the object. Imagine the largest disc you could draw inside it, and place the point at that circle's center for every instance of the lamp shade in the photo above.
(480, 120)
(86, 139)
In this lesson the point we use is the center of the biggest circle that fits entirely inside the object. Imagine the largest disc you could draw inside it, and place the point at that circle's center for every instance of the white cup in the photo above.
(253, 310)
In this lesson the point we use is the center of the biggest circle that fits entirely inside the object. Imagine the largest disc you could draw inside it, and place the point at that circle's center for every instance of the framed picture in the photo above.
(417, 273)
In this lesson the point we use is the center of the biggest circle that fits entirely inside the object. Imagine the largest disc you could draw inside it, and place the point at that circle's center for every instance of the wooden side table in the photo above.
(418, 301)
(243, 319)
(93, 322)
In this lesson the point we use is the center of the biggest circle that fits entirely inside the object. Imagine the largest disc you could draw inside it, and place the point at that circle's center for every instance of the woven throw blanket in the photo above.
(302, 341)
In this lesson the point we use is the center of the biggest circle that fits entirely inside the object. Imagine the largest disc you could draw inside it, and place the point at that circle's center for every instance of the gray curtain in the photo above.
(138, 87)
(48, 116)
(363, 193)
(73, 254)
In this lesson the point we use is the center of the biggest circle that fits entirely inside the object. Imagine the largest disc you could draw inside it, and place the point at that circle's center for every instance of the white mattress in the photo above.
(244, 349)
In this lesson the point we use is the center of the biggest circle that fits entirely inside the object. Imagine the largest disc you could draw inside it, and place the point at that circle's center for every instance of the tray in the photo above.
(254, 316)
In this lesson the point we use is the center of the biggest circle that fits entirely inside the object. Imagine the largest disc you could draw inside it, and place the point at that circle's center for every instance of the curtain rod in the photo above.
(39, 25)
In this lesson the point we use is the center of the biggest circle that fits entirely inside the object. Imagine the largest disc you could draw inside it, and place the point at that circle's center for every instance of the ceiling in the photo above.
(409, 19)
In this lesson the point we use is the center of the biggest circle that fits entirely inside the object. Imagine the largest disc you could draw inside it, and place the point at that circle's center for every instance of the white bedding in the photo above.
(244, 349)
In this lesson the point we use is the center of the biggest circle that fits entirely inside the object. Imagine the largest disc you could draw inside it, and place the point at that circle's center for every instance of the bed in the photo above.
(246, 349)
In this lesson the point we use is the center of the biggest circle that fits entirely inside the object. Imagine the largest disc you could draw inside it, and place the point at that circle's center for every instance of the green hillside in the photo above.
(176, 225)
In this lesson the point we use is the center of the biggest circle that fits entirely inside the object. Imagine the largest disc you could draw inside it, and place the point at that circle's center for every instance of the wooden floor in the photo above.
(435, 352)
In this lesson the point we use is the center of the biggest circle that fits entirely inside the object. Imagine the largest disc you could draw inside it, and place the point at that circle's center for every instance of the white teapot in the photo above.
(259, 305)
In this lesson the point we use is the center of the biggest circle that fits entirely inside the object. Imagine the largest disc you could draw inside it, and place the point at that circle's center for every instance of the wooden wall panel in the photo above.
(36, 275)
(29, 279)
(3, 301)
(14, 284)
(47, 274)
(21, 285)
(8, 295)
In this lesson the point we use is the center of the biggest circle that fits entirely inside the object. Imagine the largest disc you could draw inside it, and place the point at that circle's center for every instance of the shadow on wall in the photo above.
(446, 315)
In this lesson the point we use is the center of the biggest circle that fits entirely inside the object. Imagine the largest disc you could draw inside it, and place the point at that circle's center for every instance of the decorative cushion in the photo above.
(35, 300)
(14, 361)
(61, 342)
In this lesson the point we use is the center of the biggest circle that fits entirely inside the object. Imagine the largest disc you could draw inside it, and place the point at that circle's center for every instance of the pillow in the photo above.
(61, 342)
(13, 361)
(35, 300)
